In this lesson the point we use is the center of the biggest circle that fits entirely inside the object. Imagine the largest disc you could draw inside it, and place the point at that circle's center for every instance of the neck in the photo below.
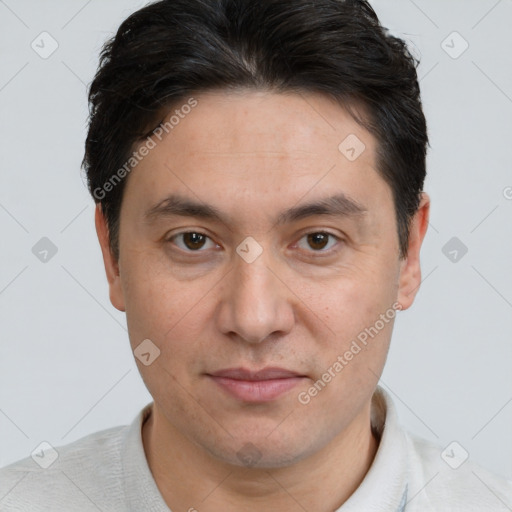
(189, 478)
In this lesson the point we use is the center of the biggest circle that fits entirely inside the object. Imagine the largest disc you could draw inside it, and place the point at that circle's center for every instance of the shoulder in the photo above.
(445, 478)
(436, 478)
(62, 478)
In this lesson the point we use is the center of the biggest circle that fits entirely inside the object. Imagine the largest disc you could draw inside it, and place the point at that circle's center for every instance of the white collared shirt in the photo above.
(108, 471)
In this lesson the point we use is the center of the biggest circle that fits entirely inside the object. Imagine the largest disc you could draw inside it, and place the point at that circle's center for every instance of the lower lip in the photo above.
(257, 391)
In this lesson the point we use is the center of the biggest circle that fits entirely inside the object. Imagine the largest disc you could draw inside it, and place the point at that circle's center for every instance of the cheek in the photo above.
(154, 304)
(351, 358)
(351, 299)
(349, 308)
(169, 312)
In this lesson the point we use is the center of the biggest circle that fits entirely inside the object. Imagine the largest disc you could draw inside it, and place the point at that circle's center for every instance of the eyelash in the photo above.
(317, 254)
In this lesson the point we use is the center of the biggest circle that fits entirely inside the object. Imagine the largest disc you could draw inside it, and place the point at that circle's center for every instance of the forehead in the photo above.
(246, 149)
(261, 122)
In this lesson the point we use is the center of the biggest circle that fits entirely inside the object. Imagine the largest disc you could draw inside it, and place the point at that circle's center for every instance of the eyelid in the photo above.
(170, 238)
(318, 253)
(321, 253)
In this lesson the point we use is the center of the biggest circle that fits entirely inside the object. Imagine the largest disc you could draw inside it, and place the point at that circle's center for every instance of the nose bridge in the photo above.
(256, 302)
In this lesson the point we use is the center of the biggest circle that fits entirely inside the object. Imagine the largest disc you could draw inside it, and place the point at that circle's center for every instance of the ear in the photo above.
(111, 264)
(410, 271)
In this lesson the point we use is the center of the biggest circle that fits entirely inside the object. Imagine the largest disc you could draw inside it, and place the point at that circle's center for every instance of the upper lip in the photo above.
(263, 374)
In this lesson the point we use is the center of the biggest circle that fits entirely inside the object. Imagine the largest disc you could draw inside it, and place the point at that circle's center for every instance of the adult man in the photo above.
(258, 172)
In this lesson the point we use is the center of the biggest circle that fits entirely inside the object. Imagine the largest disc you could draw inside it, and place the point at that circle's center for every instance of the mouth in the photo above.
(262, 385)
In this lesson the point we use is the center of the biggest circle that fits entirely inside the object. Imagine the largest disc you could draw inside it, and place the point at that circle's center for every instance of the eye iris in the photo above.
(193, 240)
(315, 239)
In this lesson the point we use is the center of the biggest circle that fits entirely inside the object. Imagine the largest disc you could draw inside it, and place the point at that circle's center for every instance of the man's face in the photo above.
(295, 296)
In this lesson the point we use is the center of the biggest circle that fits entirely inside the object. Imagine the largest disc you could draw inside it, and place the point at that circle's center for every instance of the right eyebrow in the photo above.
(338, 205)
(175, 204)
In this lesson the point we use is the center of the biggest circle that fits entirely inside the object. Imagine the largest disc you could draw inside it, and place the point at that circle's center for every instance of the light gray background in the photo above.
(66, 369)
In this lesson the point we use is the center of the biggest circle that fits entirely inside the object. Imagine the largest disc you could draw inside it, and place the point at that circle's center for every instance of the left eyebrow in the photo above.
(339, 205)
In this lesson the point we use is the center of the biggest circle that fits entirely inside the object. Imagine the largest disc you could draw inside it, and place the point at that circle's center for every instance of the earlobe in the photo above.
(410, 270)
(111, 264)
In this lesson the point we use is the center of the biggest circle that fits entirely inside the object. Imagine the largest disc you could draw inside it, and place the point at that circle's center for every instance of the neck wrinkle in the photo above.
(260, 487)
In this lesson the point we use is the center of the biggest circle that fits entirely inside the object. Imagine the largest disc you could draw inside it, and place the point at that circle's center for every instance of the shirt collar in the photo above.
(384, 486)
(140, 489)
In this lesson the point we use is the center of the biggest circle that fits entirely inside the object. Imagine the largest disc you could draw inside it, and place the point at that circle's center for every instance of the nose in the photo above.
(255, 301)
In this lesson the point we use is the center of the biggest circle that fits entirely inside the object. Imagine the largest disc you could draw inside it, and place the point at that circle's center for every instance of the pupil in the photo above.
(193, 240)
(318, 238)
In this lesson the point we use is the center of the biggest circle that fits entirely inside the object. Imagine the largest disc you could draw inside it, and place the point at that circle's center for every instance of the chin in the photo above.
(260, 452)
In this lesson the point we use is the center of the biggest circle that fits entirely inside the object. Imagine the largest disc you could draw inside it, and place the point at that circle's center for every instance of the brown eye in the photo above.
(191, 241)
(318, 240)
